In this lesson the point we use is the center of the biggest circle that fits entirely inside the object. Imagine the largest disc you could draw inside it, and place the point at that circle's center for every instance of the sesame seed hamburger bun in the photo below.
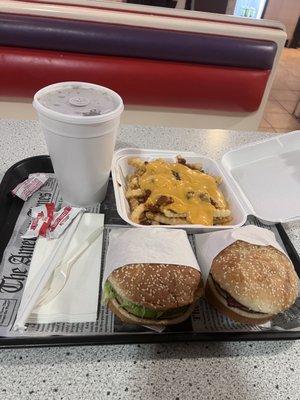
(153, 294)
(129, 318)
(251, 283)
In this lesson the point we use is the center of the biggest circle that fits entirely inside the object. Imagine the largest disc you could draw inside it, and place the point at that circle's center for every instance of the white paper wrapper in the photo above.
(209, 245)
(155, 246)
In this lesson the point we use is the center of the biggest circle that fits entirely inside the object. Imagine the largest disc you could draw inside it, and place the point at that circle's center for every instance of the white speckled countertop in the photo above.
(180, 371)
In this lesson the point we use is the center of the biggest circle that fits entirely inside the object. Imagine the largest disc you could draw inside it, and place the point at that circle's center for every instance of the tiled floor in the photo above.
(284, 96)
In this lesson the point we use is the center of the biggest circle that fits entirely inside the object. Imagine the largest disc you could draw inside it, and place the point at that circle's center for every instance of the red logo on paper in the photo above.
(60, 220)
(35, 222)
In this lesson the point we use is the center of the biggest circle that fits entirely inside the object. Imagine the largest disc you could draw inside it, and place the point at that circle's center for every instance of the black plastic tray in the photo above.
(10, 208)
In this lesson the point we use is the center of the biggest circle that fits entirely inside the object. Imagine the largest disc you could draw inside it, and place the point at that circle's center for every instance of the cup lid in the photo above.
(78, 102)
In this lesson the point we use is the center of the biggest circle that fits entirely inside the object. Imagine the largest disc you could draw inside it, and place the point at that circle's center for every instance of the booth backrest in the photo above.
(220, 66)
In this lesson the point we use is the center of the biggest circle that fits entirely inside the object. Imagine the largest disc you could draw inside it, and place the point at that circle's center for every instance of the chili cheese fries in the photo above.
(165, 193)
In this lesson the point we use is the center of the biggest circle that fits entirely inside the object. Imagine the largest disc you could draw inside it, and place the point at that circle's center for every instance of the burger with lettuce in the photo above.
(153, 294)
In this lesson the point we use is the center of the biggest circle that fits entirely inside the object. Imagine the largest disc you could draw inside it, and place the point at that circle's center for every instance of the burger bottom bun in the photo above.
(218, 302)
(132, 319)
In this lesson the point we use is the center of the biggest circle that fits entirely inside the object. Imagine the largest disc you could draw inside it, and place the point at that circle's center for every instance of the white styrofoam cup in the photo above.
(80, 147)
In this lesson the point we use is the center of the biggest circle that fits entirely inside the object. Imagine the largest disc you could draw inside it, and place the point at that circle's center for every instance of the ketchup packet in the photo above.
(61, 220)
(41, 219)
(26, 188)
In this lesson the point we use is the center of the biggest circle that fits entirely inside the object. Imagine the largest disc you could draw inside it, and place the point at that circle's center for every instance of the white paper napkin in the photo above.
(78, 301)
(34, 287)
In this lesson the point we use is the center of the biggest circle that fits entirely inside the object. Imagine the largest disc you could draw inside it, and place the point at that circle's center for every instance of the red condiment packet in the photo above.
(41, 219)
(26, 189)
(48, 223)
(61, 220)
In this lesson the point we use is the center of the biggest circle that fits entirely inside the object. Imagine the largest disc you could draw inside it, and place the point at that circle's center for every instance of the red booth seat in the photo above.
(139, 81)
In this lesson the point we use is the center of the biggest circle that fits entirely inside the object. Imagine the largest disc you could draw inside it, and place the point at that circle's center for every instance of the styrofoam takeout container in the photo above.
(261, 179)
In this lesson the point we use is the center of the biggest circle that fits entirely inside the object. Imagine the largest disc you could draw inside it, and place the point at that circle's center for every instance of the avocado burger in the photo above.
(153, 294)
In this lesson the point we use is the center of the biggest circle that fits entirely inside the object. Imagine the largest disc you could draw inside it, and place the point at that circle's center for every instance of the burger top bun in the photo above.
(259, 277)
(158, 286)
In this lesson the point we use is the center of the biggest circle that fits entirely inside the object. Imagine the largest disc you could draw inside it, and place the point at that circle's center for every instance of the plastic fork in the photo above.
(62, 272)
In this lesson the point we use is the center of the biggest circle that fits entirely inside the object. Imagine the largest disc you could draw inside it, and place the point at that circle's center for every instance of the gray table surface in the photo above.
(180, 371)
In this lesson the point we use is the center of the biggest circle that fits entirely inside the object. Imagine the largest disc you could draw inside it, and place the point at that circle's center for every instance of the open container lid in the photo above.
(266, 177)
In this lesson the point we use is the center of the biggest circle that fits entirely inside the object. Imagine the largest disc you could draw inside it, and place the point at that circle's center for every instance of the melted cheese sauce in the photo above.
(161, 178)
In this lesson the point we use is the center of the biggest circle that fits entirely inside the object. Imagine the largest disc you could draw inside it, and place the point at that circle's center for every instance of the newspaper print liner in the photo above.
(209, 245)
(148, 246)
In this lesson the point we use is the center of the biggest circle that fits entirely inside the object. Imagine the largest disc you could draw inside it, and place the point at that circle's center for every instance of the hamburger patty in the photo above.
(231, 302)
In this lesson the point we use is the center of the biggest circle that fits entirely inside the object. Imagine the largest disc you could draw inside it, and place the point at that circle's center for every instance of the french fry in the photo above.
(222, 221)
(136, 163)
(172, 214)
(218, 180)
(162, 219)
(133, 183)
(133, 203)
(133, 193)
(196, 166)
(221, 213)
(137, 213)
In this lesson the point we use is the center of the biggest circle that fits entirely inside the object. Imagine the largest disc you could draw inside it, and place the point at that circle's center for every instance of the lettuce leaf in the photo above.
(136, 309)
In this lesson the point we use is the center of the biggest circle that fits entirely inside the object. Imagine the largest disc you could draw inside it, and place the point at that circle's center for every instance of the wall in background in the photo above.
(285, 11)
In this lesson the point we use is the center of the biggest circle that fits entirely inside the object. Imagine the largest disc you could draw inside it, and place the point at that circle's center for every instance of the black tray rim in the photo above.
(143, 338)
